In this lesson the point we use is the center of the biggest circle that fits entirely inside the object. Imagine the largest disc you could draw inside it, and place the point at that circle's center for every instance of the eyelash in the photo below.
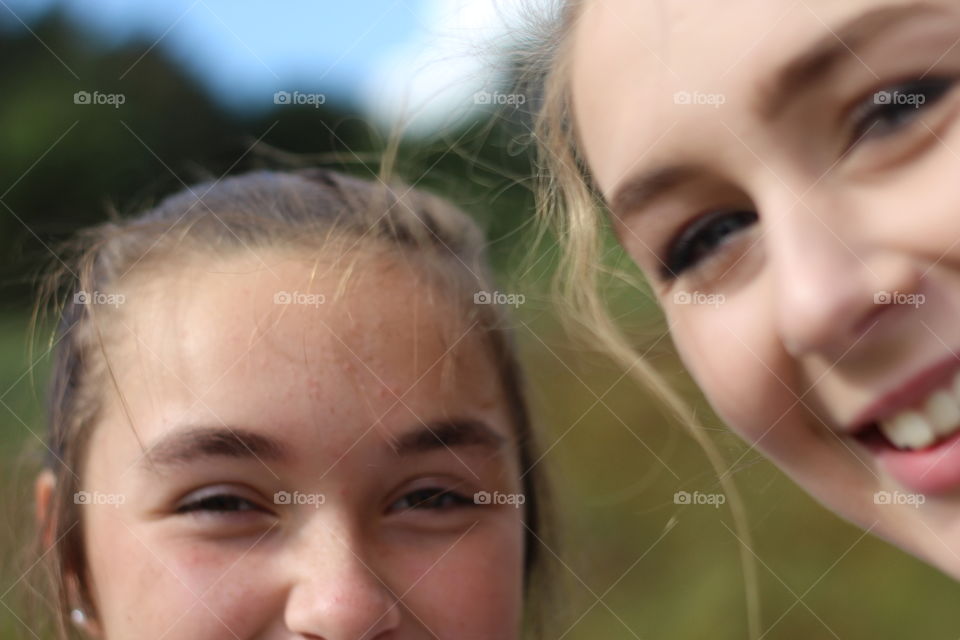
(432, 499)
(869, 110)
(215, 504)
(680, 254)
(428, 498)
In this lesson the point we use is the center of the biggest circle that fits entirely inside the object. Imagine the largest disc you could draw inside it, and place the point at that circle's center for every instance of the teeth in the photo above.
(938, 416)
(943, 412)
(908, 430)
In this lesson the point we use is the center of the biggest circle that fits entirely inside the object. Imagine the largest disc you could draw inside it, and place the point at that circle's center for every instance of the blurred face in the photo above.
(301, 465)
(786, 175)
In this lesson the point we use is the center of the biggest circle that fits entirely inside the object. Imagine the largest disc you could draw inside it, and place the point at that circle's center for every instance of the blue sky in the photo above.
(379, 53)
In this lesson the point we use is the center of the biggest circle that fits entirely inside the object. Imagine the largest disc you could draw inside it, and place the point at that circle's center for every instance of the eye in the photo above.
(699, 239)
(887, 111)
(431, 498)
(217, 503)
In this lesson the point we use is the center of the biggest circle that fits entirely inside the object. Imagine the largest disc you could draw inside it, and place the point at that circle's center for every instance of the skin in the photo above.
(792, 346)
(338, 385)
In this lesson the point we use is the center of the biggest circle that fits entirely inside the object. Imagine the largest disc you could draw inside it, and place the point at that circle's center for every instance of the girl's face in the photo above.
(301, 465)
(786, 174)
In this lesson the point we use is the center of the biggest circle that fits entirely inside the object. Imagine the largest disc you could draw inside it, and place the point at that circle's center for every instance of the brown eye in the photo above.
(702, 237)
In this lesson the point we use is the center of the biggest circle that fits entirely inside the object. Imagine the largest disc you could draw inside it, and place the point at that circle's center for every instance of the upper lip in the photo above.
(907, 394)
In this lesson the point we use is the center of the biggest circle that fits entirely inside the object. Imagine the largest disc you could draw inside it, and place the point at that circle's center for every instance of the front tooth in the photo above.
(943, 412)
(908, 430)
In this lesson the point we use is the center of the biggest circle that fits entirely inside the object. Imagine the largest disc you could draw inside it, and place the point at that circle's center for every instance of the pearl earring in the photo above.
(78, 616)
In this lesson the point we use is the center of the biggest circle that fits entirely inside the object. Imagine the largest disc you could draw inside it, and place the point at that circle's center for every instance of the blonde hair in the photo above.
(306, 210)
(570, 207)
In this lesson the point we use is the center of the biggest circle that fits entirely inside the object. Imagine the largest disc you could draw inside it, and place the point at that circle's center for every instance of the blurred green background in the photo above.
(636, 565)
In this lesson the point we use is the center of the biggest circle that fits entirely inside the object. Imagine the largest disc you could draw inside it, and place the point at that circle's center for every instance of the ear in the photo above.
(43, 490)
(87, 622)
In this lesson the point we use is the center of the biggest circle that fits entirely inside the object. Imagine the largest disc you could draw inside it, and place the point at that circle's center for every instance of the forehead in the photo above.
(630, 58)
(219, 343)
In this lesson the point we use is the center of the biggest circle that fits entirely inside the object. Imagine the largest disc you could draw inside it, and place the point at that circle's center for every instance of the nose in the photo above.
(337, 595)
(832, 280)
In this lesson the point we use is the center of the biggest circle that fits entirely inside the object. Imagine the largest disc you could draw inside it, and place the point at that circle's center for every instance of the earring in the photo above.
(78, 616)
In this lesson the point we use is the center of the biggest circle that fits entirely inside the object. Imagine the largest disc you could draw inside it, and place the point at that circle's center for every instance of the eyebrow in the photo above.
(447, 435)
(834, 47)
(196, 443)
(637, 192)
(191, 444)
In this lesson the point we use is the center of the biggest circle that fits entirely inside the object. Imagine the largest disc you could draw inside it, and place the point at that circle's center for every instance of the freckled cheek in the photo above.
(475, 591)
(133, 588)
(157, 584)
(240, 584)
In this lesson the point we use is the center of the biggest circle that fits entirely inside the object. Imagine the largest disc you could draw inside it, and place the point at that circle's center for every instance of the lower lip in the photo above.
(935, 469)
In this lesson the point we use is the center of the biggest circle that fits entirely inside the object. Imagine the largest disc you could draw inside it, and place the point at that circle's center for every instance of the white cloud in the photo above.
(430, 81)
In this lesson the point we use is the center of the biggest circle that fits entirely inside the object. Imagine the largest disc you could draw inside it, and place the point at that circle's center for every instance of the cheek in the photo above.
(475, 591)
(133, 589)
(734, 356)
(153, 586)
(752, 384)
(916, 209)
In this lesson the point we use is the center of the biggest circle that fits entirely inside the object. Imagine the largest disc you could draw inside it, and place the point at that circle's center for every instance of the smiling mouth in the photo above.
(932, 419)
(913, 430)
(919, 415)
